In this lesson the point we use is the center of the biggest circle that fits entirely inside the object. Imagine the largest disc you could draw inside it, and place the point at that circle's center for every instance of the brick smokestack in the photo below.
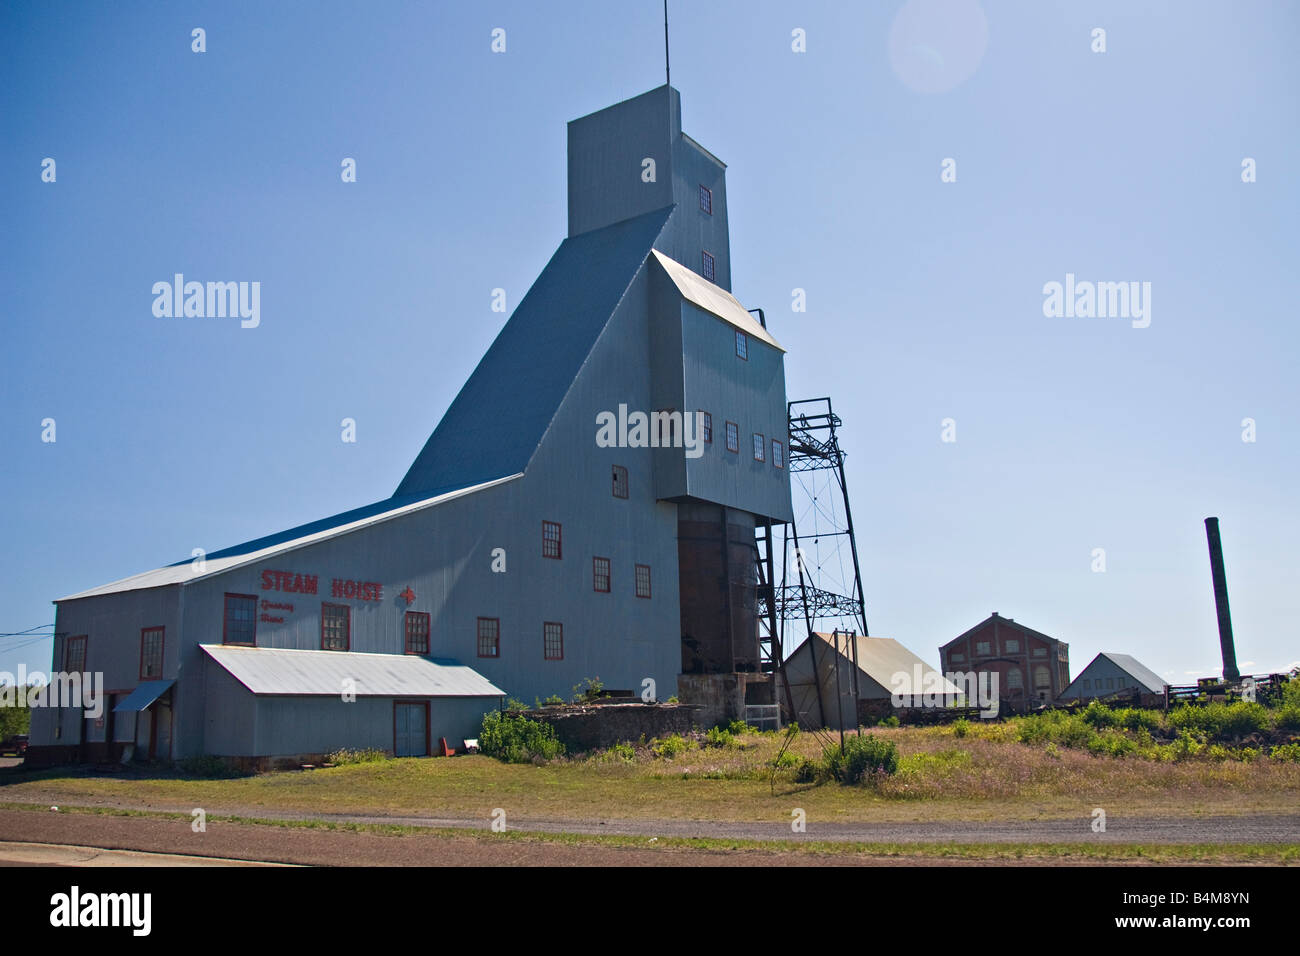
(1230, 672)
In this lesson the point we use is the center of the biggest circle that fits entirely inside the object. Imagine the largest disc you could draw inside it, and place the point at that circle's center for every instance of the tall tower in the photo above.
(628, 160)
(632, 158)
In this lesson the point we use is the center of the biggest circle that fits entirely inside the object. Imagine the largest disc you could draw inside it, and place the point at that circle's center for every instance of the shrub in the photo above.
(345, 756)
(861, 758)
(717, 737)
(1291, 689)
(1241, 718)
(1287, 717)
(737, 727)
(513, 704)
(1220, 720)
(1058, 727)
(809, 771)
(671, 746)
(518, 739)
(784, 760)
(960, 727)
(617, 753)
(1138, 719)
(1185, 746)
(890, 721)
(588, 689)
(1110, 743)
(1099, 715)
(1289, 752)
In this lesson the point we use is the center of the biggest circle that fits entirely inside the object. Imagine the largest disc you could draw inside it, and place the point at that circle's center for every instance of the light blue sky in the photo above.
(924, 298)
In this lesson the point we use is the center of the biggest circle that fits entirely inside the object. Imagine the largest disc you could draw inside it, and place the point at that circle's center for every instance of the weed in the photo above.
(518, 739)
(671, 746)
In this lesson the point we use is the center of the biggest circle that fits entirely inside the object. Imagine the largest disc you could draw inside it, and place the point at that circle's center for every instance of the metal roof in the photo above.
(500, 416)
(714, 299)
(280, 672)
(183, 572)
(143, 695)
(1135, 669)
(880, 658)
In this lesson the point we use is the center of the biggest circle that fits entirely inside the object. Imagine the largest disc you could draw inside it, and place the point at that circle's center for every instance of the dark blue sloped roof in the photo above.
(497, 421)
(312, 527)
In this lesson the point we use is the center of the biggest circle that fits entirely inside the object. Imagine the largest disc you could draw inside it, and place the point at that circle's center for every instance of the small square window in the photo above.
(708, 267)
(958, 656)
(1013, 646)
(74, 655)
(551, 539)
(1110, 683)
(981, 647)
(489, 637)
(706, 427)
(335, 627)
(239, 625)
(778, 454)
(742, 345)
(643, 580)
(1087, 684)
(620, 481)
(553, 641)
(151, 653)
(417, 632)
(733, 437)
(759, 442)
(706, 200)
(600, 575)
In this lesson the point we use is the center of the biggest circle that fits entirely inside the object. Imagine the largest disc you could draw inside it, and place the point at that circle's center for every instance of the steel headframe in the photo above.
(813, 445)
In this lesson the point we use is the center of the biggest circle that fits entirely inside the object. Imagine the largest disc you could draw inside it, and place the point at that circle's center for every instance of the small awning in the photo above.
(143, 695)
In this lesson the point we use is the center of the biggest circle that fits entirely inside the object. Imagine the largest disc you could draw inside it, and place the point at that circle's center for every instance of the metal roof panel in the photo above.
(259, 549)
(282, 672)
(714, 299)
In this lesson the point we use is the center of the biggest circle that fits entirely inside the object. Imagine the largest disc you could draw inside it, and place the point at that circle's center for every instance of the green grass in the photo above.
(987, 775)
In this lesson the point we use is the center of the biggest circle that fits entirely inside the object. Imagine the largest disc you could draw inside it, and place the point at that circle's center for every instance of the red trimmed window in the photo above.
(620, 481)
(708, 267)
(239, 623)
(742, 345)
(778, 454)
(553, 641)
(707, 427)
(151, 653)
(733, 437)
(335, 627)
(600, 575)
(758, 446)
(74, 655)
(551, 539)
(489, 637)
(643, 580)
(417, 632)
(706, 200)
